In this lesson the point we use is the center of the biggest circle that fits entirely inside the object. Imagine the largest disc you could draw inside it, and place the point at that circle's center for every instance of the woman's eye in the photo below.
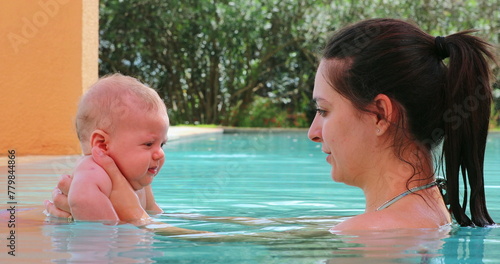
(321, 112)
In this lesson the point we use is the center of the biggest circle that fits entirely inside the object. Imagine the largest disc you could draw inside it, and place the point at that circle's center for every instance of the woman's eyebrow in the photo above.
(319, 99)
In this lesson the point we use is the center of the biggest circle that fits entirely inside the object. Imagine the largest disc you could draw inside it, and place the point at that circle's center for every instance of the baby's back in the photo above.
(88, 197)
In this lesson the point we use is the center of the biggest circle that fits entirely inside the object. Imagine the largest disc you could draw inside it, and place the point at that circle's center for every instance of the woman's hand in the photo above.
(124, 199)
(59, 207)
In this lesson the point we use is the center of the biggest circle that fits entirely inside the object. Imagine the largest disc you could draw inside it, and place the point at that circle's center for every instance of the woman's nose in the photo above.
(314, 133)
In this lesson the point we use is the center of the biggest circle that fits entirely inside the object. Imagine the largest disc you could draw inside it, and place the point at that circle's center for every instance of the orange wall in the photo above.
(42, 44)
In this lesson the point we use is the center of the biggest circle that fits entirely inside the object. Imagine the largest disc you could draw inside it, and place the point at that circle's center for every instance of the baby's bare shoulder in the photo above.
(89, 173)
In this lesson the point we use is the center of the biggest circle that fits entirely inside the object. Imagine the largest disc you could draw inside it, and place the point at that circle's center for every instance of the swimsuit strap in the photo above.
(412, 190)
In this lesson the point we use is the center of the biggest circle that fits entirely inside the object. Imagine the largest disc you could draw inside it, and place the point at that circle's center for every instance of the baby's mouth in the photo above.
(153, 170)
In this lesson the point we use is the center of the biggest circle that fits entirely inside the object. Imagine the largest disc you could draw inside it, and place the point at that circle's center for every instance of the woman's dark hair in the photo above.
(439, 103)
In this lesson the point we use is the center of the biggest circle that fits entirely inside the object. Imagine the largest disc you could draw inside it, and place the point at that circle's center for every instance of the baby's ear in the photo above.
(99, 139)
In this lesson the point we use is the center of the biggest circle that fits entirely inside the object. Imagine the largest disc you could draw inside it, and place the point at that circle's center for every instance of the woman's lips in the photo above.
(328, 158)
(329, 155)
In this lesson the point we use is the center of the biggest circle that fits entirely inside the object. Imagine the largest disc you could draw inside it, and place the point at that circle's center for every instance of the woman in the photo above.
(386, 99)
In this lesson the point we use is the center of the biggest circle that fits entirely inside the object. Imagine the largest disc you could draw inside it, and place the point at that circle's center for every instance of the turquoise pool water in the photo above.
(266, 176)
(285, 175)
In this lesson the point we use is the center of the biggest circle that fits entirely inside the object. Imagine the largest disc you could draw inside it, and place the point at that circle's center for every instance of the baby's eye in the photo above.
(162, 144)
(321, 112)
(149, 144)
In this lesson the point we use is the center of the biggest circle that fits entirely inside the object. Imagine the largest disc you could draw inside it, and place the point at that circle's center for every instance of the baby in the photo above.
(127, 121)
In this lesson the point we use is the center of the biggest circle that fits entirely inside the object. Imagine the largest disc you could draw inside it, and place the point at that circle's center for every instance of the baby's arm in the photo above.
(88, 196)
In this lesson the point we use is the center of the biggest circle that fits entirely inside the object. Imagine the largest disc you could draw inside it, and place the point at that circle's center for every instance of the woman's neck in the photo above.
(398, 174)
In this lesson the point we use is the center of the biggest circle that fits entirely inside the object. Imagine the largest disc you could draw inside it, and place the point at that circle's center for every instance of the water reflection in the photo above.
(407, 245)
(472, 245)
(99, 243)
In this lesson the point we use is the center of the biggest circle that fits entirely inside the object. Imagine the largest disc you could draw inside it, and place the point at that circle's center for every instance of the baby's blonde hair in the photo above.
(110, 99)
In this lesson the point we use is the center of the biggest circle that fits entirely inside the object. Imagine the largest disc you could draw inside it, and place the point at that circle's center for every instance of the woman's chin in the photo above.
(335, 177)
(338, 176)
(336, 180)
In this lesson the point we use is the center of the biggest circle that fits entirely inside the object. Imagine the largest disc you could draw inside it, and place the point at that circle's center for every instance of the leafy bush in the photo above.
(266, 112)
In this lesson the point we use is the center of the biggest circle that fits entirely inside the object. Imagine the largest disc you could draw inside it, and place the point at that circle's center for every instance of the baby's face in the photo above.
(136, 146)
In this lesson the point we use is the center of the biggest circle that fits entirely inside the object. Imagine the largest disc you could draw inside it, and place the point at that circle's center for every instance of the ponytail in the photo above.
(467, 100)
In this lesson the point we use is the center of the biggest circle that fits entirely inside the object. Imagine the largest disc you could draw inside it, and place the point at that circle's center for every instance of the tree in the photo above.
(211, 60)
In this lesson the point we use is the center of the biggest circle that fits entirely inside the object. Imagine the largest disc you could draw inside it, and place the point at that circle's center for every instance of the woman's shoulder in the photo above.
(368, 221)
(386, 219)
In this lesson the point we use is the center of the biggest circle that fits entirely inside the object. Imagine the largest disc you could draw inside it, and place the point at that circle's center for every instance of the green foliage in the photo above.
(495, 109)
(265, 112)
(210, 59)
(200, 125)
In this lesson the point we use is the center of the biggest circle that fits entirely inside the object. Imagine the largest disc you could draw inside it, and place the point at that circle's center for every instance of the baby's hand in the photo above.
(124, 199)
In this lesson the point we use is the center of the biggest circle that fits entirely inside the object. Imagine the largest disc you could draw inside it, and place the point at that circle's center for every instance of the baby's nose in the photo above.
(158, 155)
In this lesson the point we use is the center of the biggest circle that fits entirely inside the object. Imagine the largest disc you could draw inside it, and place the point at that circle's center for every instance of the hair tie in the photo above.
(441, 48)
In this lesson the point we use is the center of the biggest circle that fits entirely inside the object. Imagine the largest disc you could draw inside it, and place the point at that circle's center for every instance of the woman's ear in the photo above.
(384, 113)
(100, 139)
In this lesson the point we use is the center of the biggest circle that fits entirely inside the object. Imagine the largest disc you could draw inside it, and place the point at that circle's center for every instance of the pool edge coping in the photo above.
(179, 132)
